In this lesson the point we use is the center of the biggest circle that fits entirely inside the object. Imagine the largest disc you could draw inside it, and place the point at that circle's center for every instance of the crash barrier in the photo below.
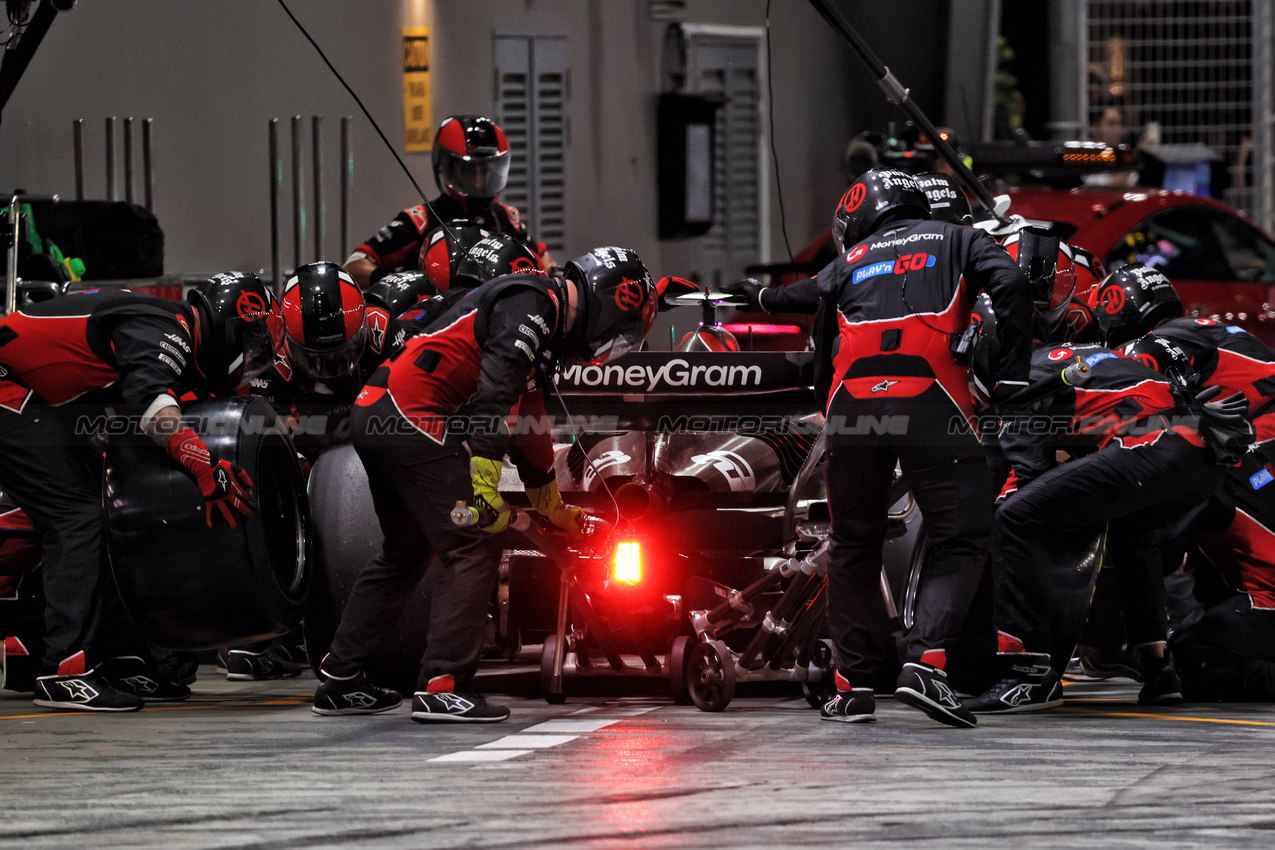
(298, 191)
(190, 586)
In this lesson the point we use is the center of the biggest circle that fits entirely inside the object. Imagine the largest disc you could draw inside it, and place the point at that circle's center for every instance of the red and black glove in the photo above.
(223, 484)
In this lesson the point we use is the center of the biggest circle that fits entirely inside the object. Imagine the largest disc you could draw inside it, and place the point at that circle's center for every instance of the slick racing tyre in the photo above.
(347, 536)
(188, 586)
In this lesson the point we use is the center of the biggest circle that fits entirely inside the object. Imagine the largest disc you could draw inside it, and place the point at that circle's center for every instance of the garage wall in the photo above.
(212, 72)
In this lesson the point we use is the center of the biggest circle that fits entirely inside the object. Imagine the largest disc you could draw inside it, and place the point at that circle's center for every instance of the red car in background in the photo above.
(1221, 263)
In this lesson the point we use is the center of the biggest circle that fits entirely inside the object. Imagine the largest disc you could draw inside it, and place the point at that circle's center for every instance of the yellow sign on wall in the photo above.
(418, 125)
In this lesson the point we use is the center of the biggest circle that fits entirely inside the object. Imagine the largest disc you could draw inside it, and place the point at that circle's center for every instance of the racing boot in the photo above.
(1031, 685)
(349, 691)
(452, 699)
(133, 674)
(179, 667)
(270, 663)
(1161, 685)
(924, 685)
(73, 688)
(849, 705)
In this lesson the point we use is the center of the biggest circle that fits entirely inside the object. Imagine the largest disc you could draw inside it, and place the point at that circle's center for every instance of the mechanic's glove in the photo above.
(484, 474)
(748, 289)
(1225, 425)
(547, 501)
(223, 484)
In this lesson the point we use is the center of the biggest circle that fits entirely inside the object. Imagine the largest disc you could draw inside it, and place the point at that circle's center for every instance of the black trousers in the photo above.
(1229, 654)
(1145, 495)
(948, 476)
(415, 484)
(52, 475)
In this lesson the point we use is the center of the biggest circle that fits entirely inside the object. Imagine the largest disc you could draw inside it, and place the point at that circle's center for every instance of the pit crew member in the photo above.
(431, 430)
(1145, 482)
(471, 168)
(902, 290)
(68, 361)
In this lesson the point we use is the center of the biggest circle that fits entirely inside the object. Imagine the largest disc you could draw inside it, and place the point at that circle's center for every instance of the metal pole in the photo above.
(297, 217)
(148, 172)
(316, 148)
(276, 186)
(112, 191)
(1263, 204)
(347, 184)
(128, 159)
(897, 94)
(77, 134)
(11, 273)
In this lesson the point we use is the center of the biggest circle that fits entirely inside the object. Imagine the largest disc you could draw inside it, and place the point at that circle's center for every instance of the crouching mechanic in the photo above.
(1229, 654)
(1150, 475)
(68, 361)
(431, 430)
(902, 294)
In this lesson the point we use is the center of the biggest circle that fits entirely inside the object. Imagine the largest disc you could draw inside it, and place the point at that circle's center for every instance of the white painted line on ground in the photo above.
(550, 733)
(481, 755)
(526, 742)
(568, 726)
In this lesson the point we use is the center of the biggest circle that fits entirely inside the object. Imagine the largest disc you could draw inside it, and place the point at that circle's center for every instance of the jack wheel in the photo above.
(710, 675)
(677, 669)
(819, 691)
(546, 673)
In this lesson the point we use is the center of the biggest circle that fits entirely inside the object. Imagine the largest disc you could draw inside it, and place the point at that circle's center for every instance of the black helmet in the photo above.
(1163, 356)
(241, 327)
(617, 304)
(494, 257)
(445, 247)
(985, 352)
(1051, 276)
(947, 198)
(875, 195)
(1131, 301)
(471, 160)
(323, 322)
(389, 298)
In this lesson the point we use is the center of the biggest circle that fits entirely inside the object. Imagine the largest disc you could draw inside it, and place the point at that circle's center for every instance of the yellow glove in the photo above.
(547, 501)
(484, 474)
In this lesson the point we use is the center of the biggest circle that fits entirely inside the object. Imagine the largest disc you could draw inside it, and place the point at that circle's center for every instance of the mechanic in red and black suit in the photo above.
(471, 168)
(1229, 654)
(902, 294)
(67, 363)
(1149, 472)
(432, 427)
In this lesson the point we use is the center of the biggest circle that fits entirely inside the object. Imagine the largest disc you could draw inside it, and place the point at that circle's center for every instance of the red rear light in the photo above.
(627, 566)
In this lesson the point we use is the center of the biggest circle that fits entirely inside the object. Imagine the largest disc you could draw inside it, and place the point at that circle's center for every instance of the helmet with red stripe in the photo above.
(240, 327)
(323, 322)
(1131, 301)
(1051, 274)
(617, 304)
(471, 160)
(445, 247)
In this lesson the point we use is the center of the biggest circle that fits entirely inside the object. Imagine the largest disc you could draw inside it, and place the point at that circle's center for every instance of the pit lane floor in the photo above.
(247, 765)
